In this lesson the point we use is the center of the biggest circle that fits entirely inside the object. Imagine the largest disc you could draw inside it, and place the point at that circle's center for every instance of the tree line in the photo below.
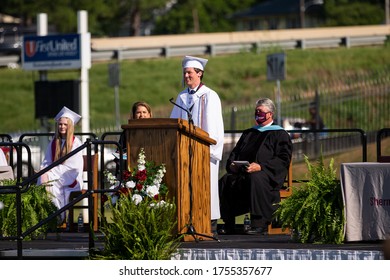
(160, 17)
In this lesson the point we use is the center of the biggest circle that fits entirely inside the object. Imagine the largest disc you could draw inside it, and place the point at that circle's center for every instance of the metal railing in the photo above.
(23, 185)
(39, 137)
(381, 134)
(310, 143)
(230, 48)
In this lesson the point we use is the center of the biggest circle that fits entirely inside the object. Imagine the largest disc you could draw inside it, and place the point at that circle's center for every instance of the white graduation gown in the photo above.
(63, 175)
(3, 160)
(206, 114)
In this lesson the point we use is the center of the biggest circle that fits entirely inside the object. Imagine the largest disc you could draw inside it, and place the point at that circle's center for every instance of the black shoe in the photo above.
(229, 227)
(257, 231)
(227, 231)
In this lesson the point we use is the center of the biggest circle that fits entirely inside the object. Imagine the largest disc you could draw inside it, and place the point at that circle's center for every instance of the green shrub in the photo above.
(36, 206)
(314, 211)
(140, 232)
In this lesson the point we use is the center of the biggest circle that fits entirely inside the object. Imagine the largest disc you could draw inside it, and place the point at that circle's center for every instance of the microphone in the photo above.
(184, 109)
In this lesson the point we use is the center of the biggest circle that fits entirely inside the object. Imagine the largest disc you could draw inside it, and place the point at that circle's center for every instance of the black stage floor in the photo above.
(67, 245)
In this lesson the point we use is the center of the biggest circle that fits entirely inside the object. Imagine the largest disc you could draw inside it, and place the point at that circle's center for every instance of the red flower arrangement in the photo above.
(143, 183)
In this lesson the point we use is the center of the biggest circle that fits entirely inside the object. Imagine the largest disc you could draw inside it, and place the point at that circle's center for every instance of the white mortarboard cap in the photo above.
(194, 62)
(68, 113)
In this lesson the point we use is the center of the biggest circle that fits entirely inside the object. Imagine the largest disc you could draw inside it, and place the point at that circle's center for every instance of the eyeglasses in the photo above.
(258, 112)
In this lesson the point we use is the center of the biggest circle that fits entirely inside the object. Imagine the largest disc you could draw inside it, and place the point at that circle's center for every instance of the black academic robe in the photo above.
(256, 192)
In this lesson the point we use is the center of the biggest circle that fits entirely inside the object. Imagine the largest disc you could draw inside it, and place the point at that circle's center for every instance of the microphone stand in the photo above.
(190, 227)
(189, 115)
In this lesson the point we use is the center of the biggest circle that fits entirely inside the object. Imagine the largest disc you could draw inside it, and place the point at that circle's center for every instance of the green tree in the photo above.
(132, 14)
(25, 10)
(125, 17)
(62, 14)
(199, 16)
(105, 17)
(350, 12)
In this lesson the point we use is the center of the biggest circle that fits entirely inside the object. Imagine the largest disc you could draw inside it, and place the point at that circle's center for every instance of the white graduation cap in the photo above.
(68, 113)
(194, 62)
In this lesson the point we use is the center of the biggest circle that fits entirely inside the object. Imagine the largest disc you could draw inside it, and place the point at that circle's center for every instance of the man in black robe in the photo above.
(254, 187)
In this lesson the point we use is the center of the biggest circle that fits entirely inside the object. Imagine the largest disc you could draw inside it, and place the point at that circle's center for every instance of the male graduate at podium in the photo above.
(204, 110)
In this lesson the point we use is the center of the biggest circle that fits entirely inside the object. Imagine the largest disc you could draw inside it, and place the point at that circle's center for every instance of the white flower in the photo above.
(152, 191)
(130, 184)
(136, 199)
(110, 178)
(139, 188)
(159, 175)
(141, 167)
(1, 205)
(141, 160)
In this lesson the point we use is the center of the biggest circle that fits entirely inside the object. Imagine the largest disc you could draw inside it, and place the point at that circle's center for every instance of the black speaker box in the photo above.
(51, 96)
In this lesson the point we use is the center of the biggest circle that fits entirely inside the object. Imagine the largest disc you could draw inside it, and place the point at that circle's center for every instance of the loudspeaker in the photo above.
(51, 96)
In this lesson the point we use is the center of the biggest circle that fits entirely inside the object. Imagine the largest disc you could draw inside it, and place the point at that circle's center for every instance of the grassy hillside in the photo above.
(239, 79)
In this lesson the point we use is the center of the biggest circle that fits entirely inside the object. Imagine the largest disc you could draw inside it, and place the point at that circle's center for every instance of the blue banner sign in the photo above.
(51, 52)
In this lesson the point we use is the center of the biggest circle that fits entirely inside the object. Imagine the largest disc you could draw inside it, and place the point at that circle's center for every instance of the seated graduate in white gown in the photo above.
(66, 177)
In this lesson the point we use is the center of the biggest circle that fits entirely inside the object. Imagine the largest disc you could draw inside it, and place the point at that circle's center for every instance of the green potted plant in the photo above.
(36, 206)
(314, 212)
(143, 223)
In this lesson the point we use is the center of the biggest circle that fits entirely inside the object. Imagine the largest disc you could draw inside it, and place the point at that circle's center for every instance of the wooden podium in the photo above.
(185, 151)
